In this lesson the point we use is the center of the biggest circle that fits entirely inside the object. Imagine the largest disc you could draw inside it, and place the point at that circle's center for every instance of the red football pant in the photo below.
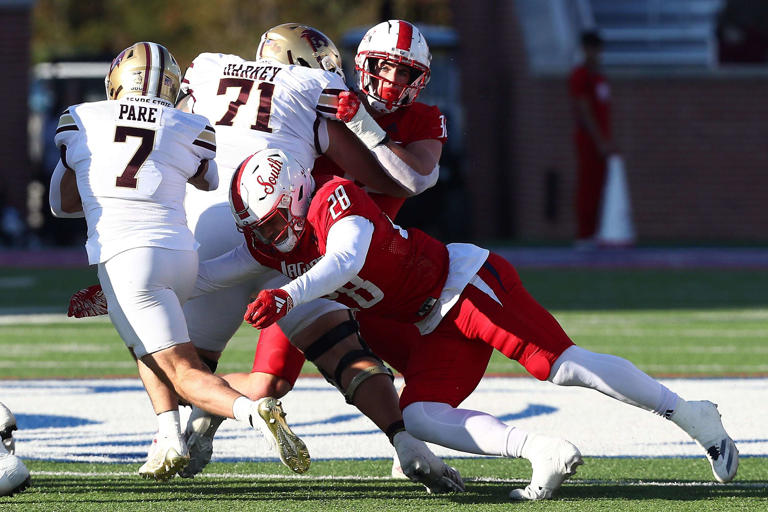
(275, 355)
(447, 364)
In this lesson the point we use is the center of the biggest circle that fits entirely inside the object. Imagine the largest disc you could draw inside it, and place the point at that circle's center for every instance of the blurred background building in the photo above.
(688, 77)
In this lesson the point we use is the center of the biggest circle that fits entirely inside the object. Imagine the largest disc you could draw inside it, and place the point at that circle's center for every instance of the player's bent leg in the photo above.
(552, 459)
(620, 379)
(333, 344)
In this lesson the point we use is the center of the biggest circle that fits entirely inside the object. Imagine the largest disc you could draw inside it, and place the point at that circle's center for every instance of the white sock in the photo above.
(612, 376)
(241, 409)
(463, 429)
(168, 423)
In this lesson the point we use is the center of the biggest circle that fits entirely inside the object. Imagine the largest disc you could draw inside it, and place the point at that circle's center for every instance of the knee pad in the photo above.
(329, 340)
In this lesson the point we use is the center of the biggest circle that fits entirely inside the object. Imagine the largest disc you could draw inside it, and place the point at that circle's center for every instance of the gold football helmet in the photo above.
(144, 69)
(302, 45)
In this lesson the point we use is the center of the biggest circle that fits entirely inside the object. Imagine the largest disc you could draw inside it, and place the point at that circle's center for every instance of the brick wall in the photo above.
(696, 146)
(14, 88)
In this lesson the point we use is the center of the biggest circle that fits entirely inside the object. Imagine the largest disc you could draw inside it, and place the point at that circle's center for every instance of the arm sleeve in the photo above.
(54, 195)
(346, 249)
(402, 173)
(227, 270)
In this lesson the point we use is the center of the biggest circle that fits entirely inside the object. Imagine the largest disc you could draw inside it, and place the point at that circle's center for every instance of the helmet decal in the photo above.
(275, 166)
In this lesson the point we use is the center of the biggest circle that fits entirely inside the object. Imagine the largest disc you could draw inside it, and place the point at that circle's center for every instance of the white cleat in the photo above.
(7, 426)
(416, 462)
(167, 456)
(198, 435)
(701, 421)
(553, 460)
(268, 417)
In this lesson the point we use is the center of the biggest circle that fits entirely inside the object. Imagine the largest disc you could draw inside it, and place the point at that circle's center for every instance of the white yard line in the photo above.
(360, 478)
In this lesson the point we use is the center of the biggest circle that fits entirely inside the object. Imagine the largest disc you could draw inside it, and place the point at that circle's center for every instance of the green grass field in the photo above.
(669, 322)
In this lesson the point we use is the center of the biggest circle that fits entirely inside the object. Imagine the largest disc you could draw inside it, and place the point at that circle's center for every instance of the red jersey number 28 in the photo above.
(339, 202)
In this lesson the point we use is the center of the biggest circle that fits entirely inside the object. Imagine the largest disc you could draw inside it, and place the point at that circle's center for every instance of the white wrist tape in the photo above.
(366, 128)
(402, 173)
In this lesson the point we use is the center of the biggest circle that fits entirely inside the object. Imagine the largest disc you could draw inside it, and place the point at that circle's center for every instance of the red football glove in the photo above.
(269, 307)
(349, 103)
(88, 302)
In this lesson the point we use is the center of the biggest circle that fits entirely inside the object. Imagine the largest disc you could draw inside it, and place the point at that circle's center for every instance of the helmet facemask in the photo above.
(385, 94)
(401, 44)
(279, 228)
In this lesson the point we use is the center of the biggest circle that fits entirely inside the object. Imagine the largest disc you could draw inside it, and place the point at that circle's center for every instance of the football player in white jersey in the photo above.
(124, 165)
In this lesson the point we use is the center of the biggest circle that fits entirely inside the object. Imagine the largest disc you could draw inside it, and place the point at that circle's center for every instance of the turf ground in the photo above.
(701, 323)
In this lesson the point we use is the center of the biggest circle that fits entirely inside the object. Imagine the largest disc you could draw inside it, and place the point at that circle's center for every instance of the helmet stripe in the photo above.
(159, 77)
(404, 36)
(147, 68)
(234, 192)
(153, 77)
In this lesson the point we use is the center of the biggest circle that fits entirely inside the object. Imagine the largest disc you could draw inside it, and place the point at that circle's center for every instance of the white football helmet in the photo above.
(269, 196)
(301, 45)
(144, 69)
(399, 42)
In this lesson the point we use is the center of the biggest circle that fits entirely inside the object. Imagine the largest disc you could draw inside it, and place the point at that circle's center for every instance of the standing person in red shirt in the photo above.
(591, 94)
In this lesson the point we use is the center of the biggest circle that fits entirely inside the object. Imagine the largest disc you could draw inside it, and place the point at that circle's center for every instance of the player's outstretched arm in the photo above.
(414, 167)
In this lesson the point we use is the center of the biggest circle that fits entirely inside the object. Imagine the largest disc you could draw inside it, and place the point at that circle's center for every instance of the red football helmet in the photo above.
(398, 42)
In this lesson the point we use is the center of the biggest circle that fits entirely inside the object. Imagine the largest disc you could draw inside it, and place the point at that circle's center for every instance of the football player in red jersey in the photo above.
(463, 301)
